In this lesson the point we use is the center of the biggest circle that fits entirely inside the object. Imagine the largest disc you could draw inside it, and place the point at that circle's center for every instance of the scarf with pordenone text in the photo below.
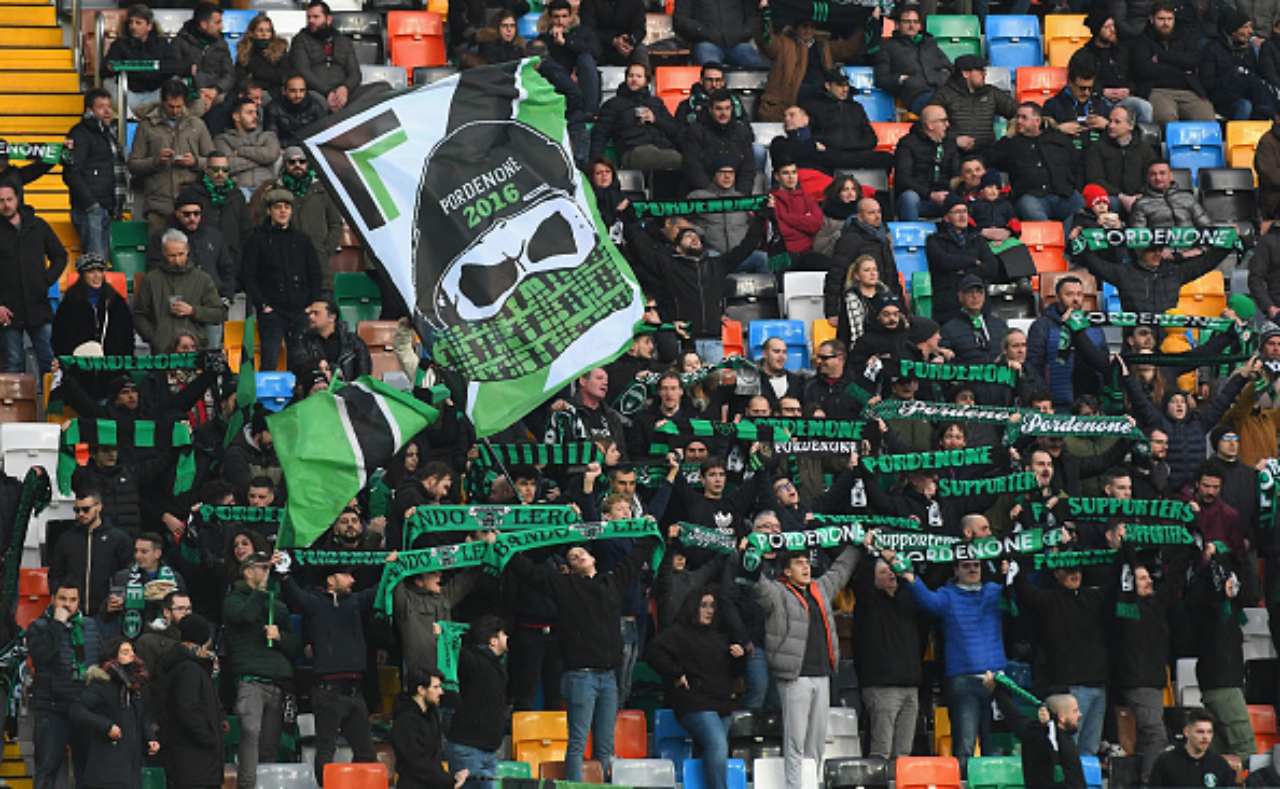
(241, 514)
(1101, 238)
(978, 373)
(163, 361)
(715, 205)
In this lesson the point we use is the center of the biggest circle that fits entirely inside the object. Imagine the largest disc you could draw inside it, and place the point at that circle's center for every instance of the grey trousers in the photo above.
(891, 716)
(1148, 713)
(261, 711)
(805, 702)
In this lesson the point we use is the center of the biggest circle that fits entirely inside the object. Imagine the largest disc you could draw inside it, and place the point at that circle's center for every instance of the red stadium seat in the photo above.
(416, 39)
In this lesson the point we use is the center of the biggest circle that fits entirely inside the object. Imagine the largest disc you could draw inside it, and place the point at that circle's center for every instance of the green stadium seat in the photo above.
(358, 297)
(514, 770)
(922, 293)
(957, 34)
(129, 248)
(995, 772)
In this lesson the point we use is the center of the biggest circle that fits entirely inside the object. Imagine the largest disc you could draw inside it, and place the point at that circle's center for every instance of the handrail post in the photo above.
(76, 44)
(122, 120)
(99, 38)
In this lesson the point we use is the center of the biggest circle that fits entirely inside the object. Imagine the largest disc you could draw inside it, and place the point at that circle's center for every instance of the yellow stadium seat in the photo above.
(538, 737)
(1206, 296)
(1063, 35)
(821, 331)
(1242, 139)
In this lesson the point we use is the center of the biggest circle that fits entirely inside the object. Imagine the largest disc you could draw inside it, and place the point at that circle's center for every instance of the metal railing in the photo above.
(77, 46)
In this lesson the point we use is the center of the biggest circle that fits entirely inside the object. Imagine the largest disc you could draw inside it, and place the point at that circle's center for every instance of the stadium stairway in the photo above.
(40, 99)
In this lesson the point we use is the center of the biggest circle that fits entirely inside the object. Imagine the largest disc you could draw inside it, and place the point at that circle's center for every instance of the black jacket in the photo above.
(890, 622)
(1072, 632)
(481, 716)
(156, 47)
(56, 684)
(924, 64)
(1175, 768)
(333, 624)
(724, 23)
(1110, 64)
(917, 166)
(1118, 169)
(606, 19)
(78, 320)
(618, 123)
(577, 41)
(190, 719)
(206, 248)
(271, 74)
(1221, 642)
(70, 562)
(281, 269)
(210, 56)
(842, 126)
(25, 287)
(706, 141)
(700, 654)
(1152, 290)
(951, 256)
(856, 240)
(231, 218)
(1173, 64)
(108, 701)
(1045, 165)
(290, 119)
(1229, 72)
(352, 357)
(960, 336)
(91, 174)
(1039, 756)
(590, 608)
(832, 396)
(1264, 272)
(418, 741)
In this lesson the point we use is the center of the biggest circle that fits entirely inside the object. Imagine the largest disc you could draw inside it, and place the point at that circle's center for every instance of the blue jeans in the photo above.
(760, 692)
(1140, 107)
(588, 82)
(969, 704)
(711, 351)
(53, 733)
(482, 766)
(94, 228)
(913, 205)
(15, 357)
(756, 263)
(1093, 710)
(1042, 209)
(710, 733)
(744, 55)
(592, 698)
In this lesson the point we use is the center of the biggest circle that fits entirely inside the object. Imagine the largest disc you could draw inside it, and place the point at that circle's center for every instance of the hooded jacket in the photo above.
(161, 181)
(700, 654)
(281, 268)
(1174, 207)
(1120, 169)
(91, 174)
(618, 123)
(1186, 435)
(787, 619)
(160, 287)
(418, 740)
(211, 56)
(325, 60)
(923, 63)
(252, 155)
(707, 141)
(973, 112)
(190, 719)
(24, 288)
(59, 663)
(112, 698)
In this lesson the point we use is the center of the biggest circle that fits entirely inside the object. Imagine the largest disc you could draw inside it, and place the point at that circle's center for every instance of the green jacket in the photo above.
(151, 315)
(244, 615)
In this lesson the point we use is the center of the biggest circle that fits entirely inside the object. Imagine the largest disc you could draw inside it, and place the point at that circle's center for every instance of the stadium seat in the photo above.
(1013, 41)
(170, 20)
(508, 769)
(956, 34)
(644, 773)
(27, 445)
(527, 25)
(1047, 245)
(672, 84)
(694, 778)
(416, 38)
(1242, 139)
(592, 771)
(842, 732)
(1194, 145)
(802, 295)
(429, 75)
(995, 772)
(395, 76)
(1000, 77)
(235, 24)
(286, 776)
(933, 772)
(631, 182)
(750, 297)
(1152, 135)
(768, 774)
(1049, 279)
(355, 775)
(908, 245)
(275, 389)
(671, 740)
(871, 772)
(731, 338)
(33, 594)
(764, 133)
(819, 332)
(747, 86)
(610, 78)
(380, 335)
(129, 247)
(941, 732)
(631, 735)
(1092, 771)
(539, 736)
(17, 397)
(358, 297)
(1206, 296)
(888, 134)
(1063, 35)
(364, 28)
(792, 332)
(1040, 83)
(153, 778)
(1227, 194)
(877, 103)
(288, 23)
(1186, 687)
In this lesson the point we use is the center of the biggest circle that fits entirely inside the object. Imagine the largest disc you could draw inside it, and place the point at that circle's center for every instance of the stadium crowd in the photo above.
(164, 621)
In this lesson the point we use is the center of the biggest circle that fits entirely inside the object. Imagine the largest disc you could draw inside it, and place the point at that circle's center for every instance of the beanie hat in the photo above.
(991, 178)
(1232, 20)
(922, 329)
(194, 629)
(1242, 306)
(188, 196)
(1092, 193)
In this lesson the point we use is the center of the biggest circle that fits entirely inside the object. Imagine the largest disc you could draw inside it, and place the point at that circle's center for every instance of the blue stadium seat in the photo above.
(1110, 298)
(794, 333)
(695, 779)
(1014, 41)
(55, 296)
(670, 739)
(1092, 771)
(877, 103)
(908, 245)
(527, 25)
(1194, 144)
(235, 25)
(275, 389)
(130, 131)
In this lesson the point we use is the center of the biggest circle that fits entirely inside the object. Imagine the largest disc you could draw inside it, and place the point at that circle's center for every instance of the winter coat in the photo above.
(109, 701)
(78, 321)
(1059, 371)
(1269, 59)
(923, 63)
(416, 612)
(418, 739)
(1218, 634)
(608, 19)
(787, 616)
(24, 288)
(725, 23)
(1229, 72)
(90, 563)
(90, 176)
(618, 123)
(121, 492)
(210, 56)
(700, 654)
(1144, 289)
(724, 231)
(1116, 168)
(56, 685)
(790, 57)
(952, 255)
(315, 214)
(578, 41)
(206, 249)
(1186, 436)
(917, 166)
(1266, 160)
(688, 111)
(333, 626)
(162, 181)
(1046, 752)
(842, 126)
(288, 119)
(971, 620)
(190, 720)
(1174, 207)
(156, 47)
(799, 218)
(1072, 632)
(1173, 64)
(252, 155)
(326, 60)
(856, 240)
(891, 623)
(244, 614)
(231, 218)
(269, 66)
(352, 359)
(281, 269)
(1047, 164)
(481, 715)
(960, 336)
(156, 324)
(706, 141)
(973, 112)
(1264, 272)
(1110, 64)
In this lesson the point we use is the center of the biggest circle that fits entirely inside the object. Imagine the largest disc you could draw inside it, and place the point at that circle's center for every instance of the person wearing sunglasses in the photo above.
(225, 206)
(207, 247)
(89, 570)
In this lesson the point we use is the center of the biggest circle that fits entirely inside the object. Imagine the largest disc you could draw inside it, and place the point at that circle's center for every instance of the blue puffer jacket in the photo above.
(56, 682)
(1058, 371)
(970, 625)
(1187, 435)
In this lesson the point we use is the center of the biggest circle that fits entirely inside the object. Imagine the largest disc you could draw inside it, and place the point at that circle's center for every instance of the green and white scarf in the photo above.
(975, 373)
(140, 433)
(163, 361)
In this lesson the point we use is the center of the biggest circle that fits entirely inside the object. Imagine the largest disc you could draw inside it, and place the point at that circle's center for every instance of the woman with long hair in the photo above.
(260, 56)
(839, 205)
(502, 42)
(113, 720)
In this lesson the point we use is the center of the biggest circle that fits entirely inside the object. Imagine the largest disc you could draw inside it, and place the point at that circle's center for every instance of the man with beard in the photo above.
(225, 206)
(1166, 65)
(297, 109)
(865, 234)
(325, 58)
(1046, 742)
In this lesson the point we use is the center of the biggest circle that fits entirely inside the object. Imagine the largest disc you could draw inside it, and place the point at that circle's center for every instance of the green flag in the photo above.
(331, 442)
(247, 386)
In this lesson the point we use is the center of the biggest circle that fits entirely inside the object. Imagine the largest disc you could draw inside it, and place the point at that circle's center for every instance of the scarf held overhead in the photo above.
(140, 433)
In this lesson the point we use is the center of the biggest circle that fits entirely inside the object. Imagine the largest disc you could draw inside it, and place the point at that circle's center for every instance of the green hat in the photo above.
(1242, 305)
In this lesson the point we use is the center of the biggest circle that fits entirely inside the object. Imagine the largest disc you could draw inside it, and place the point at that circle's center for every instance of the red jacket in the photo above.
(799, 218)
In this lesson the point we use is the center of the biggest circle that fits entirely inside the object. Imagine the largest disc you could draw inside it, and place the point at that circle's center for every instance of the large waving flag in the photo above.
(465, 192)
(331, 442)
